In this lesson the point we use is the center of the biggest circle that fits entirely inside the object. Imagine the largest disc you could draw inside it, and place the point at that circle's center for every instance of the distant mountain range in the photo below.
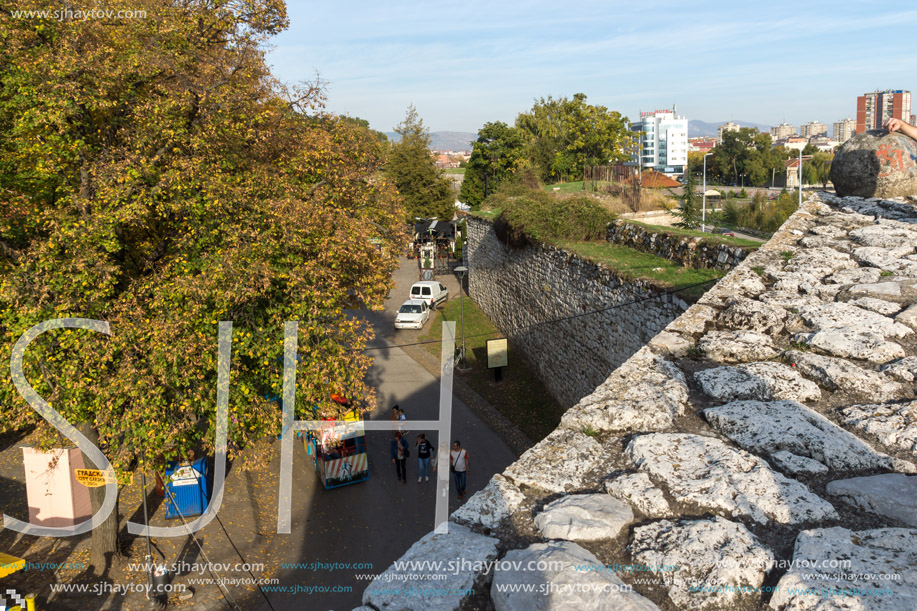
(444, 141)
(697, 129)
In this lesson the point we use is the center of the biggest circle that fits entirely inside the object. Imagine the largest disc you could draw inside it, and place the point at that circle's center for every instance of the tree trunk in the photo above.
(105, 548)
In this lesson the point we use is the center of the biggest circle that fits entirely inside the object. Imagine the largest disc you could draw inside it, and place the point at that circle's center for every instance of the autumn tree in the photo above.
(411, 167)
(153, 175)
(495, 155)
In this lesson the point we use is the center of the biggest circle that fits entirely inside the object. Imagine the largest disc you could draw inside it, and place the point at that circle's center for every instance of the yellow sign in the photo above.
(497, 355)
(93, 478)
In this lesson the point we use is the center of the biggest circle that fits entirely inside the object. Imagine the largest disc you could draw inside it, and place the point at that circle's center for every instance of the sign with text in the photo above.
(497, 355)
(94, 478)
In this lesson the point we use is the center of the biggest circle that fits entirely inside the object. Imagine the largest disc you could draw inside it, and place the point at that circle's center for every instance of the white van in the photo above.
(430, 291)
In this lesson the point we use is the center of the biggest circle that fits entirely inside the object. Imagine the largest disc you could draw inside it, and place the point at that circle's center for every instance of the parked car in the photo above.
(430, 291)
(412, 315)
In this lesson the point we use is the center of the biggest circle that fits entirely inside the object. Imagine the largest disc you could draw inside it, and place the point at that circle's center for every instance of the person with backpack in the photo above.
(400, 452)
(424, 450)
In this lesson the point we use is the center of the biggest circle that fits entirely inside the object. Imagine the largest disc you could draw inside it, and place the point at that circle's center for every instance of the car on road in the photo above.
(412, 314)
(431, 292)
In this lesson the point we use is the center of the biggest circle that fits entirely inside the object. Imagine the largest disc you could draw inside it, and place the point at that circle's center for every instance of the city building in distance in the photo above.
(844, 129)
(874, 108)
(813, 129)
(664, 143)
(784, 130)
(728, 126)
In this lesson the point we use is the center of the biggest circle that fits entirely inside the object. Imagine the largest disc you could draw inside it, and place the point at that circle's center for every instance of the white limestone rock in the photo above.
(584, 517)
(885, 236)
(797, 465)
(820, 262)
(895, 425)
(638, 490)
(384, 592)
(858, 275)
(838, 374)
(851, 342)
(879, 306)
(904, 370)
(707, 473)
(908, 317)
(764, 381)
(571, 588)
(557, 463)
(673, 344)
(646, 393)
(747, 281)
(847, 316)
(898, 291)
(693, 321)
(815, 582)
(751, 315)
(789, 299)
(490, 506)
(767, 427)
(737, 346)
(882, 258)
(892, 495)
(709, 553)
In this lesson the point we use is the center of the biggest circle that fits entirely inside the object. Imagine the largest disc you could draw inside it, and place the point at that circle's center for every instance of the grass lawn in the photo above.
(567, 187)
(635, 264)
(454, 171)
(711, 238)
(520, 396)
(487, 214)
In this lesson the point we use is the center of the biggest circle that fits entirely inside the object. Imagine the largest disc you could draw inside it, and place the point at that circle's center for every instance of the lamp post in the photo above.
(462, 270)
(800, 178)
(703, 213)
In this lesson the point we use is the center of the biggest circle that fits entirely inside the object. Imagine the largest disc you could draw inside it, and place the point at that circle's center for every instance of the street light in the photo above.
(462, 270)
(703, 213)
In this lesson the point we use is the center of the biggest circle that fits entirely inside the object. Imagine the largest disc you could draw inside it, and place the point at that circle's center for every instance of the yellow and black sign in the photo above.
(93, 478)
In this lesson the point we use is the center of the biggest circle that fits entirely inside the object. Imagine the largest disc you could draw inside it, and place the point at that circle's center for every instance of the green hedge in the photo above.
(529, 214)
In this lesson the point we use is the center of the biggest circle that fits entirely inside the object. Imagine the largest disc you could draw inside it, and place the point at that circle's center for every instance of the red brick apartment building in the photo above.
(873, 108)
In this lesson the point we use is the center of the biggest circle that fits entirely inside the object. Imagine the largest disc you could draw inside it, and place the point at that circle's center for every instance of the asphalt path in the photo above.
(376, 521)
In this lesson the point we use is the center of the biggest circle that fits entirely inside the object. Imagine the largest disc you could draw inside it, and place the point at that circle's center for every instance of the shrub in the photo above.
(530, 214)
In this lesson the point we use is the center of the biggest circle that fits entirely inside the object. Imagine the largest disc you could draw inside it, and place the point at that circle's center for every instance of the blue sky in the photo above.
(465, 63)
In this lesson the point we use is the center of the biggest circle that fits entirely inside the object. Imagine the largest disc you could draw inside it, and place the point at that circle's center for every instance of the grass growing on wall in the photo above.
(630, 263)
(709, 238)
(520, 396)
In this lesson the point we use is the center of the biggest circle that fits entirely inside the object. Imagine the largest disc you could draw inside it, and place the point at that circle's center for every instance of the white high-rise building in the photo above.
(664, 144)
(844, 129)
(728, 126)
(784, 130)
(813, 129)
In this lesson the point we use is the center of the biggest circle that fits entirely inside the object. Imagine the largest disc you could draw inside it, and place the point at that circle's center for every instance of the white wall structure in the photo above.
(664, 145)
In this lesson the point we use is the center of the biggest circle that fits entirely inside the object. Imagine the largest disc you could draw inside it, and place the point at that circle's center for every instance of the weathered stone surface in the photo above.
(797, 465)
(383, 592)
(584, 517)
(571, 589)
(896, 291)
(638, 490)
(736, 346)
(879, 306)
(766, 427)
(816, 582)
(708, 553)
(850, 342)
(859, 275)
(490, 506)
(694, 320)
(752, 315)
(883, 258)
(895, 425)
(819, 262)
(848, 316)
(764, 381)
(672, 344)
(889, 236)
(908, 317)
(892, 495)
(789, 299)
(904, 370)
(875, 163)
(538, 466)
(707, 473)
(838, 374)
(644, 394)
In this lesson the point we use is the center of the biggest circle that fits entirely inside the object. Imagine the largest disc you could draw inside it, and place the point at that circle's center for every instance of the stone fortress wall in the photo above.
(691, 251)
(520, 288)
(755, 454)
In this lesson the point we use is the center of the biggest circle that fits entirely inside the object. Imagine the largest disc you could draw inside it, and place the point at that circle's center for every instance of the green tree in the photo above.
(818, 169)
(153, 175)
(810, 149)
(690, 213)
(495, 155)
(562, 135)
(410, 165)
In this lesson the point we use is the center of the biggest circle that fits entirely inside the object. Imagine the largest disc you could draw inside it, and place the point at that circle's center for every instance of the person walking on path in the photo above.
(400, 452)
(424, 449)
(460, 465)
